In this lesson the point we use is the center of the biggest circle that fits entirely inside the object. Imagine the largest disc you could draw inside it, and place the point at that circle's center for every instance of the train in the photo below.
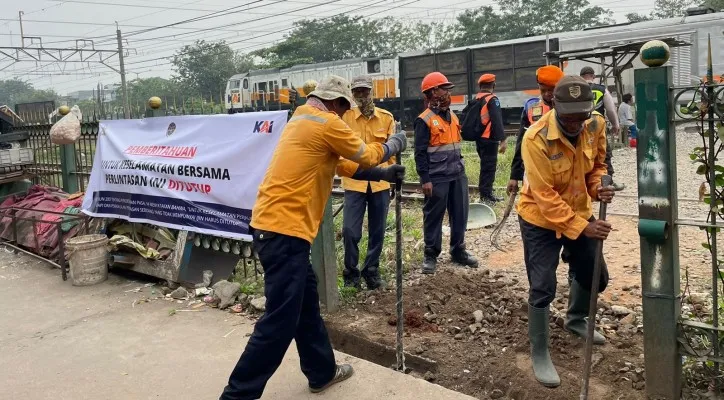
(514, 62)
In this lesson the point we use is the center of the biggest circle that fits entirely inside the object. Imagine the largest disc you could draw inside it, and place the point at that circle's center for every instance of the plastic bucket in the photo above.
(88, 259)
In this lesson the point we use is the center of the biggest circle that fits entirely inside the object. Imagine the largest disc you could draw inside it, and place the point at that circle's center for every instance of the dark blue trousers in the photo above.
(292, 312)
(377, 205)
(488, 152)
(453, 197)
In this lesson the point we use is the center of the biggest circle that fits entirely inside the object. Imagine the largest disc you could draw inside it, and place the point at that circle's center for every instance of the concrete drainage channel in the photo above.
(377, 353)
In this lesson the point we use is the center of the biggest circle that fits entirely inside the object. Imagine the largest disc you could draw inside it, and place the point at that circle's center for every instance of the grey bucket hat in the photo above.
(333, 87)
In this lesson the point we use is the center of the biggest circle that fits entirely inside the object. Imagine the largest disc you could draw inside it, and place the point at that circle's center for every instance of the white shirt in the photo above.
(625, 115)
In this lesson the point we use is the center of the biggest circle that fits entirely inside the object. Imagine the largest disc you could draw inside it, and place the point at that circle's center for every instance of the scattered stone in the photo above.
(430, 317)
(244, 299)
(473, 328)
(179, 293)
(615, 297)
(639, 385)
(698, 298)
(226, 292)
(236, 308)
(206, 279)
(419, 350)
(459, 336)
(596, 359)
(456, 329)
(429, 376)
(259, 304)
(629, 320)
(497, 394)
(478, 315)
(166, 290)
(619, 310)
(626, 289)
(202, 291)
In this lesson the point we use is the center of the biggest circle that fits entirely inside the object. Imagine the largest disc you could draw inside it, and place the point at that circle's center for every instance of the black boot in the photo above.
(429, 265)
(489, 198)
(351, 277)
(373, 279)
(464, 258)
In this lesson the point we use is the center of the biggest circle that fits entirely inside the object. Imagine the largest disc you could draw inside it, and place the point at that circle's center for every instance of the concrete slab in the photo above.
(64, 342)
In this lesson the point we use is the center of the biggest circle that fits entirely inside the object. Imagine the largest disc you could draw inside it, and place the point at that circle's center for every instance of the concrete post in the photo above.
(68, 168)
(656, 156)
(324, 261)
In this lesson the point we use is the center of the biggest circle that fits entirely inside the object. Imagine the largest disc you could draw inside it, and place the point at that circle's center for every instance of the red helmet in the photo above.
(435, 79)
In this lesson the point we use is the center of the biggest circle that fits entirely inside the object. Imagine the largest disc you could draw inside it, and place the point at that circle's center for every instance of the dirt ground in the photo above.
(490, 359)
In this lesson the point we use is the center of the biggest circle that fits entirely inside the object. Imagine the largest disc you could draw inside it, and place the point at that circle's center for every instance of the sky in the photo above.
(246, 24)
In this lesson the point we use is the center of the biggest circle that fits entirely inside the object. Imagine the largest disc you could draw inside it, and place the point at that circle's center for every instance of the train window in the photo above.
(235, 84)
(285, 83)
(246, 84)
(373, 67)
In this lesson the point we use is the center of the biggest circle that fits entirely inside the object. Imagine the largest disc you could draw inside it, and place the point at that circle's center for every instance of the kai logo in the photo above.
(263, 127)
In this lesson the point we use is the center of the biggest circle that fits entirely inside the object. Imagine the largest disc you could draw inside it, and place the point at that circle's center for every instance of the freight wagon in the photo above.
(397, 80)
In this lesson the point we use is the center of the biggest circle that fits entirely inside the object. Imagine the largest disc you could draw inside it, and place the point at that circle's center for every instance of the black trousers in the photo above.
(452, 196)
(488, 152)
(377, 205)
(541, 250)
(292, 312)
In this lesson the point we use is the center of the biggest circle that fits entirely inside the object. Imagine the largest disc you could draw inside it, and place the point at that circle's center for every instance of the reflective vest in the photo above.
(444, 148)
(536, 109)
(598, 92)
(485, 113)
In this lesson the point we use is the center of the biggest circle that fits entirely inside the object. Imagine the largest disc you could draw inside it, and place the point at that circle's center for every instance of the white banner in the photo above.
(199, 173)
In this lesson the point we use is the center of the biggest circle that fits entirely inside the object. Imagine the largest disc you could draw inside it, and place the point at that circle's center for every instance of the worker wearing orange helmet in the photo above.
(547, 78)
(483, 124)
(440, 166)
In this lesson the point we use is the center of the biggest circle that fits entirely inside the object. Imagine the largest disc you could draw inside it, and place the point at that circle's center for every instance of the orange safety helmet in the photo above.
(435, 79)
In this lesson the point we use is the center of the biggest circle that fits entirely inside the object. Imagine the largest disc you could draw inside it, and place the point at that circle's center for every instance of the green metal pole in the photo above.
(324, 261)
(68, 168)
(656, 156)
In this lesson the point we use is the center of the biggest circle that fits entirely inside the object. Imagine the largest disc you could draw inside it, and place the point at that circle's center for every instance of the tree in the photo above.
(345, 37)
(636, 17)
(14, 91)
(717, 5)
(523, 18)
(670, 8)
(203, 68)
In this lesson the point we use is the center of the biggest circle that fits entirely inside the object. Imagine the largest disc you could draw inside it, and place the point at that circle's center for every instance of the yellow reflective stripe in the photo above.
(309, 117)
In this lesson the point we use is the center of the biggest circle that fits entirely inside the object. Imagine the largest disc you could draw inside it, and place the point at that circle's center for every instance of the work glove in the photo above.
(394, 145)
(393, 173)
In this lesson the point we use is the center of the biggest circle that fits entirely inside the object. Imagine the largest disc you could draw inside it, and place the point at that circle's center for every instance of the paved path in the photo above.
(62, 342)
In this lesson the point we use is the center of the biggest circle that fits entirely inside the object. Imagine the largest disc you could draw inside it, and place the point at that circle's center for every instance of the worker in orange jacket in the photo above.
(564, 155)
(285, 220)
(492, 140)
(439, 164)
(533, 110)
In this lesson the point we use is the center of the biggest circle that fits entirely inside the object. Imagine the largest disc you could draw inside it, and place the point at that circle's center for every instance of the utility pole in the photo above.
(22, 34)
(126, 109)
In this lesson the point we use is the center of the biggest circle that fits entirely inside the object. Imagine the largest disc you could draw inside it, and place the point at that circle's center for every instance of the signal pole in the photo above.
(124, 90)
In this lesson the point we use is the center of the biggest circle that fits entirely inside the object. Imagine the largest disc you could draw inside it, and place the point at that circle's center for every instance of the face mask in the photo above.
(366, 105)
(440, 102)
(567, 133)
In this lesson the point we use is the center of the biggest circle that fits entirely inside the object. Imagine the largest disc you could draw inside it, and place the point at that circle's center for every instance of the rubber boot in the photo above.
(543, 368)
(577, 315)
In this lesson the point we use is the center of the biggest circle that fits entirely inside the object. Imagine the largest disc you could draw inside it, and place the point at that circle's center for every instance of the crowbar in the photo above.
(606, 180)
(496, 231)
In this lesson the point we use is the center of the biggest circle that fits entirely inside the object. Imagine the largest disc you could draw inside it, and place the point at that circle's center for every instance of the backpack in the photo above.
(471, 126)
